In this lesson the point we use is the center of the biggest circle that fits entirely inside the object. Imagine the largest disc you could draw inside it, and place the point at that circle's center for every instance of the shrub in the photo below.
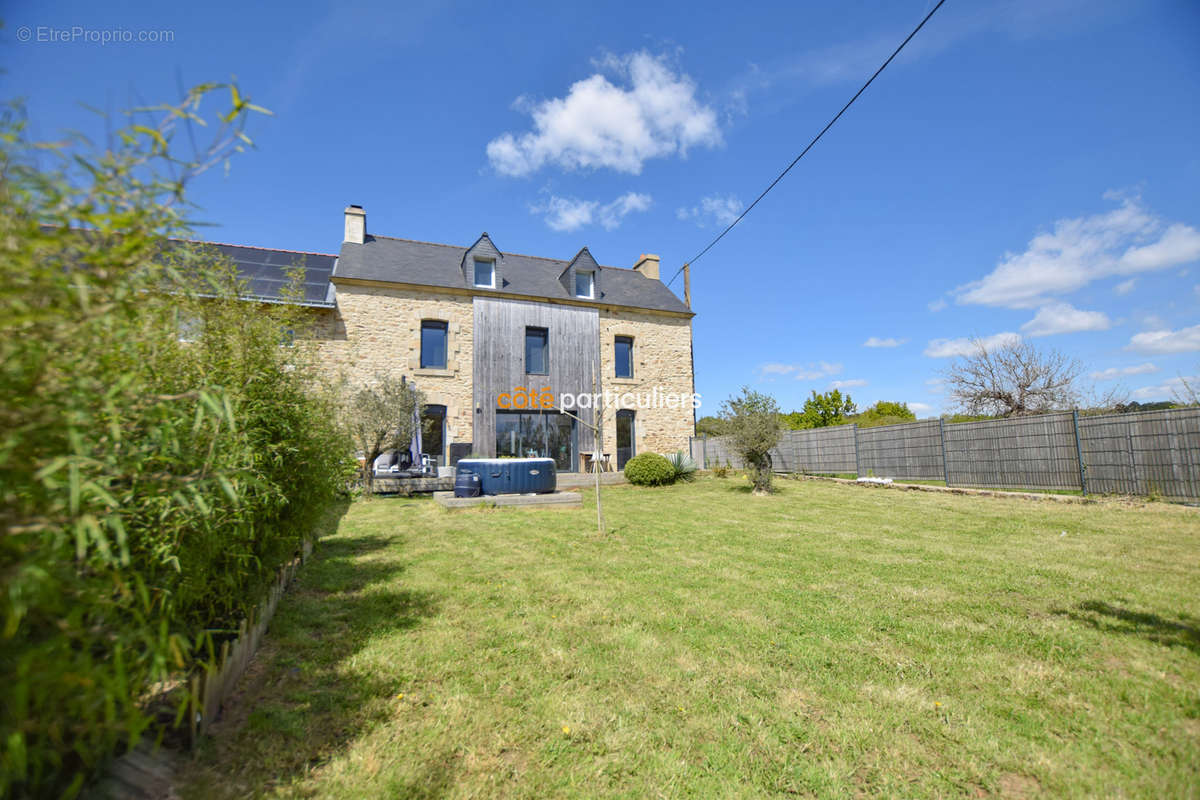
(149, 487)
(649, 469)
(683, 466)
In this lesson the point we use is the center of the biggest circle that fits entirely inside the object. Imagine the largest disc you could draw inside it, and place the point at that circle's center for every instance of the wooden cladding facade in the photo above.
(499, 360)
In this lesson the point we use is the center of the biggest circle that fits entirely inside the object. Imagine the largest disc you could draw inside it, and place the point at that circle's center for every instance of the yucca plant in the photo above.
(684, 465)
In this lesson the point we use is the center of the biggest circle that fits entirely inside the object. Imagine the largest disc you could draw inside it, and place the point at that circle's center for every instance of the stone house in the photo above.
(500, 343)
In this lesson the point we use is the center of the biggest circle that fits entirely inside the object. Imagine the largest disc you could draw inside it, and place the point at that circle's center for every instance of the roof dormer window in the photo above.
(485, 273)
(585, 284)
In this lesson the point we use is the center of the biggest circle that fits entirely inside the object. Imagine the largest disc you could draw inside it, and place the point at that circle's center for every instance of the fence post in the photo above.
(857, 460)
(1079, 453)
(942, 439)
(704, 451)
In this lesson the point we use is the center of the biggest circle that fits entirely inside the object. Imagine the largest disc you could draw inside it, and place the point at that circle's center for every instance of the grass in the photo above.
(825, 641)
(850, 476)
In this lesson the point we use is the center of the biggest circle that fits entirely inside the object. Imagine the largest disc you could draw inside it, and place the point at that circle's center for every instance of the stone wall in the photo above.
(662, 359)
(376, 330)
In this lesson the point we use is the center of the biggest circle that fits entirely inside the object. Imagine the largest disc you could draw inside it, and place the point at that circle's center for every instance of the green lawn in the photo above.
(826, 641)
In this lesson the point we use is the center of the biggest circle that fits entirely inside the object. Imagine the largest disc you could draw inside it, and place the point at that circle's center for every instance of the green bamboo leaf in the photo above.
(212, 405)
(96, 490)
(54, 466)
(159, 142)
(230, 491)
(73, 487)
(15, 755)
(200, 503)
(92, 525)
(80, 541)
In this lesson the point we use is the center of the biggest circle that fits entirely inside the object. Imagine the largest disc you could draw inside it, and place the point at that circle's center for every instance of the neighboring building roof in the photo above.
(389, 260)
(265, 272)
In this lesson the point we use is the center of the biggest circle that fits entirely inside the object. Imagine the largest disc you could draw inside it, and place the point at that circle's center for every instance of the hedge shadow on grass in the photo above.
(304, 702)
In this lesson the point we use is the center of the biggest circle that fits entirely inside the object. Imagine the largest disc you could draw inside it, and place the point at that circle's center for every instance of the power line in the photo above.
(816, 139)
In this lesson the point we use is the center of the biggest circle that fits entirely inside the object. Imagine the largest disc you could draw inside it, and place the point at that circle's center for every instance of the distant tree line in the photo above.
(823, 410)
(991, 383)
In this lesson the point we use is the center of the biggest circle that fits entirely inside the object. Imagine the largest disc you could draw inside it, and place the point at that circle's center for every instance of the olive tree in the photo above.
(382, 416)
(754, 427)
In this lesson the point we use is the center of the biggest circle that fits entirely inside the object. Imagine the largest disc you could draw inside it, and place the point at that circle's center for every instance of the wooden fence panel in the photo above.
(1146, 453)
(912, 450)
(820, 450)
(1150, 452)
(1023, 453)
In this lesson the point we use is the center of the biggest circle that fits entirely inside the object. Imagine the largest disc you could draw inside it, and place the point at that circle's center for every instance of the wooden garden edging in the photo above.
(210, 690)
(146, 771)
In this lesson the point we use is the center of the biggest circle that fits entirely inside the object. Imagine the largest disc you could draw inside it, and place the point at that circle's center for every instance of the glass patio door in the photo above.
(625, 438)
(522, 434)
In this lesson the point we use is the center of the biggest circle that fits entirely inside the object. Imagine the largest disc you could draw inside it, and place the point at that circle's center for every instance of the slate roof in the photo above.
(391, 260)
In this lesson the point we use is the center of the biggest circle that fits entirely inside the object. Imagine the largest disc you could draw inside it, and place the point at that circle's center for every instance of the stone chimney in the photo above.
(356, 225)
(647, 264)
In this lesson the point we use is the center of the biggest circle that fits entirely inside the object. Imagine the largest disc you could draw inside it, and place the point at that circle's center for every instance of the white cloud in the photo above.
(654, 114)
(875, 341)
(937, 305)
(720, 209)
(1127, 240)
(963, 346)
(570, 213)
(853, 383)
(1172, 387)
(801, 372)
(920, 409)
(611, 215)
(1125, 287)
(1112, 373)
(1184, 340)
(777, 369)
(1065, 318)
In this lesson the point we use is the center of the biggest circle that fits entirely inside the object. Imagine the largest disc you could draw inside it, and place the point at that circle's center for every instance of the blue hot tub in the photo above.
(511, 475)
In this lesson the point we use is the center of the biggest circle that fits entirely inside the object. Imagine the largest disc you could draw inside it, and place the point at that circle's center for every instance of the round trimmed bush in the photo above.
(649, 469)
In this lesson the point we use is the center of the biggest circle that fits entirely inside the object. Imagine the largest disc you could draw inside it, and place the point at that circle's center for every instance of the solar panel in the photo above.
(265, 271)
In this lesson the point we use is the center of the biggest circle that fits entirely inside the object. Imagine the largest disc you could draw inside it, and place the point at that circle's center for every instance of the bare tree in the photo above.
(1014, 379)
(1188, 391)
(382, 416)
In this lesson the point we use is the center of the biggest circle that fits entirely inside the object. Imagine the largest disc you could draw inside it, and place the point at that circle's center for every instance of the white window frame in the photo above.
(475, 275)
(591, 283)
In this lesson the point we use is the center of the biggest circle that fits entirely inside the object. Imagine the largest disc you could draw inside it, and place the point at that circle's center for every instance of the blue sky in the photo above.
(1027, 168)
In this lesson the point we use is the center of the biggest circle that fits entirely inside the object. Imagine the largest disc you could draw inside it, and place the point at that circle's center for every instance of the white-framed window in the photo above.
(585, 283)
(485, 273)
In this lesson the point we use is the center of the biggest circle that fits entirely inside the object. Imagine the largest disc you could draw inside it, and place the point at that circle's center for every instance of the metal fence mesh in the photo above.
(1147, 453)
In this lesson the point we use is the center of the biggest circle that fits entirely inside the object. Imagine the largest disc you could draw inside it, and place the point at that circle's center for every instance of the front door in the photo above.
(625, 450)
